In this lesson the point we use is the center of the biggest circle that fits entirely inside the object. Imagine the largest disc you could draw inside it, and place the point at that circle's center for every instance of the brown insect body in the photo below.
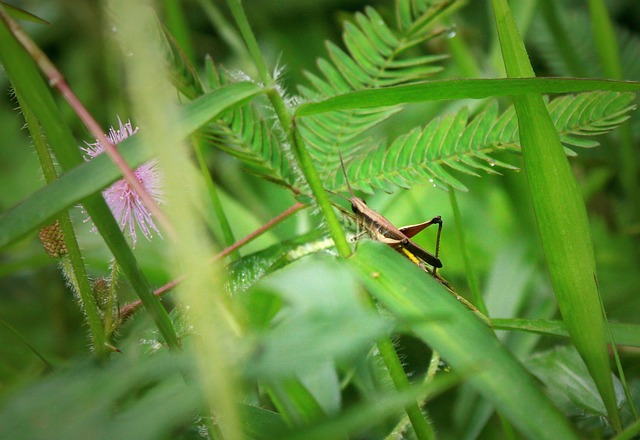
(382, 230)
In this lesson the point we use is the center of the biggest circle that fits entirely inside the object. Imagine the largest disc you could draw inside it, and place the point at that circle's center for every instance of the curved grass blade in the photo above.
(460, 89)
(623, 334)
(434, 316)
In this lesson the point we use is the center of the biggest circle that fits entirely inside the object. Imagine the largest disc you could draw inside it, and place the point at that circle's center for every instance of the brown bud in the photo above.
(101, 292)
(52, 240)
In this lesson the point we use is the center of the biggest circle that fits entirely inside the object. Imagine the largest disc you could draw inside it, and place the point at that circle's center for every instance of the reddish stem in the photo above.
(56, 80)
(129, 309)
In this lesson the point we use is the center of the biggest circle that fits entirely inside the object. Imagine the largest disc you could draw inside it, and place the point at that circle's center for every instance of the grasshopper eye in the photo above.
(354, 208)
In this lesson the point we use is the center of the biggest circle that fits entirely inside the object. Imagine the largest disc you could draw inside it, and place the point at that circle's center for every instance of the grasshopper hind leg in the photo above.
(437, 220)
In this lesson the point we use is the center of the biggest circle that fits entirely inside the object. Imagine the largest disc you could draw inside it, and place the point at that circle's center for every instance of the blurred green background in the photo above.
(496, 212)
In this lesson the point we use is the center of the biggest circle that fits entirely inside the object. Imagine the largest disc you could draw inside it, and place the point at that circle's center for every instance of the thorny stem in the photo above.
(56, 80)
(129, 309)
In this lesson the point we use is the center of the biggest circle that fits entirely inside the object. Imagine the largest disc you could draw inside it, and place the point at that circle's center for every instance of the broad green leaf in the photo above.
(568, 382)
(261, 424)
(132, 396)
(437, 318)
(359, 418)
(320, 305)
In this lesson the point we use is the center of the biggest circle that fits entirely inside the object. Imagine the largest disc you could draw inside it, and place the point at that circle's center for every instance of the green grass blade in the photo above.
(470, 347)
(623, 334)
(21, 14)
(561, 216)
(460, 89)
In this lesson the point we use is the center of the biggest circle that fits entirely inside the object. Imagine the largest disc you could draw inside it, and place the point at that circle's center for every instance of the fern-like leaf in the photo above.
(244, 133)
(249, 136)
(452, 142)
(376, 56)
(181, 72)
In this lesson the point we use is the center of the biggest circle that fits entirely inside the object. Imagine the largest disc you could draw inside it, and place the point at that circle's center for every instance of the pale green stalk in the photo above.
(605, 40)
(201, 291)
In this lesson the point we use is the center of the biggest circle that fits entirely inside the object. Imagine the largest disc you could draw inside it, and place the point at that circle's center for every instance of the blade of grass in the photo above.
(177, 25)
(561, 216)
(623, 334)
(472, 278)
(216, 204)
(21, 14)
(460, 89)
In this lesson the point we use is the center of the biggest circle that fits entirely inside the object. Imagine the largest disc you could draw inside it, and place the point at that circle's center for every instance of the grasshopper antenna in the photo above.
(344, 172)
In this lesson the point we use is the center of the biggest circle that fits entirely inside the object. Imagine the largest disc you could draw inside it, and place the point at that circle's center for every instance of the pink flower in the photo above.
(124, 202)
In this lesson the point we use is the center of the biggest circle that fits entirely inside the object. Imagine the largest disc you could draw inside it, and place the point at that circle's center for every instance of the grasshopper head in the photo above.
(358, 205)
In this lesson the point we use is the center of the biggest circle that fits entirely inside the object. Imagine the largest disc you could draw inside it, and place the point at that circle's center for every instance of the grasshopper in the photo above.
(381, 229)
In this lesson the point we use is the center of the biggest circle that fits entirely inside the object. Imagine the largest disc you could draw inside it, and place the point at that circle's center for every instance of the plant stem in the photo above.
(227, 233)
(250, 40)
(388, 352)
(129, 309)
(335, 229)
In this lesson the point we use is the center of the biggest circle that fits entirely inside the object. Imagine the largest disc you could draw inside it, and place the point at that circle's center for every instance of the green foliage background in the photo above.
(306, 348)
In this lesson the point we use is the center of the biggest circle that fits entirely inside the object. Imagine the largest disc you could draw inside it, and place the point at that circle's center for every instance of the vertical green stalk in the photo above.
(250, 40)
(464, 60)
(423, 430)
(310, 173)
(472, 276)
(177, 24)
(75, 270)
(421, 427)
(561, 216)
(201, 290)
(227, 233)
(302, 155)
(605, 40)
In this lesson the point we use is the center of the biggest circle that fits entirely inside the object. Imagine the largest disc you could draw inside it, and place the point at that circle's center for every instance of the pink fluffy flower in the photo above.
(124, 202)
